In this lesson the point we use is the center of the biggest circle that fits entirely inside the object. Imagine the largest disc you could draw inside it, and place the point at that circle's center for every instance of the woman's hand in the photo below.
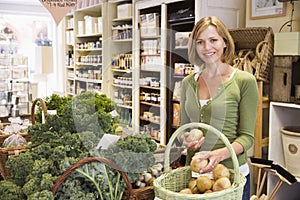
(193, 145)
(218, 155)
(213, 157)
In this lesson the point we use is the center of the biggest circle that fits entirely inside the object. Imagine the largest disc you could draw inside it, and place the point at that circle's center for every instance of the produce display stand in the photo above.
(146, 193)
(5, 152)
(167, 186)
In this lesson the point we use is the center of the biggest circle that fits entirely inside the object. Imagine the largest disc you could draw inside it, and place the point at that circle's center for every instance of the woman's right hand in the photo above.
(192, 145)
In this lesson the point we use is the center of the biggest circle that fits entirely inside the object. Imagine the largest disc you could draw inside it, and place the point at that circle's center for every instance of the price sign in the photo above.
(59, 8)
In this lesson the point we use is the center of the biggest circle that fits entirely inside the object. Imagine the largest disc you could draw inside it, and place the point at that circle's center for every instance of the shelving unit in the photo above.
(69, 53)
(151, 59)
(83, 49)
(281, 114)
(14, 84)
(88, 49)
(120, 43)
(179, 66)
(122, 37)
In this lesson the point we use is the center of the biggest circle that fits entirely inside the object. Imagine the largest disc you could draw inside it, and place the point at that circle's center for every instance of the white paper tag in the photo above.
(107, 140)
(51, 112)
(209, 174)
(156, 198)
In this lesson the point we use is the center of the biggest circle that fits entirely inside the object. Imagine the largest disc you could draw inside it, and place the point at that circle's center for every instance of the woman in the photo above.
(219, 95)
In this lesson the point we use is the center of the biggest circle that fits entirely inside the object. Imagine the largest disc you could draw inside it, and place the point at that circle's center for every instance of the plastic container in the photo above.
(291, 148)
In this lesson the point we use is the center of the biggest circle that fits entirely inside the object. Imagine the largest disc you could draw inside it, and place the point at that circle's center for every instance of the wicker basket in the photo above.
(168, 185)
(146, 193)
(5, 152)
(261, 41)
(44, 108)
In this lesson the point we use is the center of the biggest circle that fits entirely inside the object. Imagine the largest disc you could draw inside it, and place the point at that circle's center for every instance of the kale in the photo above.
(134, 154)
(70, 136)
(10, 191)
(53, 102)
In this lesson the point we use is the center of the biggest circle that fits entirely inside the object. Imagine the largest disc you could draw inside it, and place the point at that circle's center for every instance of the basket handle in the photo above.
(220, 135)
(44, 107)
(81, 162)
(261, 47)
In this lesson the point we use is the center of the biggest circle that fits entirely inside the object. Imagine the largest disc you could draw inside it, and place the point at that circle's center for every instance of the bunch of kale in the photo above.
(57, 144)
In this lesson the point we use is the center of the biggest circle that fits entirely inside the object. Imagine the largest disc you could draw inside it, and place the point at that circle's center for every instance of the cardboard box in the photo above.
(91, 25)
(100, 27)
(153, 24)
(287, 43)
(143, 25)
(81, 27)
(182, 39)
(124, 10)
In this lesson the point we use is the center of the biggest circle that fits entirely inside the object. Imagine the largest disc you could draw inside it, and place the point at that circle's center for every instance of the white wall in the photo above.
(276, 22)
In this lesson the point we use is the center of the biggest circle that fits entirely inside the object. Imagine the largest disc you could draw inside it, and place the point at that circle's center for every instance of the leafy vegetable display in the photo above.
(53, 102)
(68, 137)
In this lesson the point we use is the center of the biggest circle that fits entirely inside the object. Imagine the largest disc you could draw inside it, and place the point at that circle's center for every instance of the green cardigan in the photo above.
(232, 111)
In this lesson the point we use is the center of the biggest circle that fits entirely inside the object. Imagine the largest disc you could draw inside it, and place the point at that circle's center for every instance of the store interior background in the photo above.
(31, 21)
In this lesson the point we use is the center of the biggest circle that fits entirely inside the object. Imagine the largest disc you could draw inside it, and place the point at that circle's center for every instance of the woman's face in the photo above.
(210, 45)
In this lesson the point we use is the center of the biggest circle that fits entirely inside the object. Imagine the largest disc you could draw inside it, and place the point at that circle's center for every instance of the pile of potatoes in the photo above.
(204, 184)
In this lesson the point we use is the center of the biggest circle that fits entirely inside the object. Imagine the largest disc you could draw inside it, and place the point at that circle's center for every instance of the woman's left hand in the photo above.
(212, 156)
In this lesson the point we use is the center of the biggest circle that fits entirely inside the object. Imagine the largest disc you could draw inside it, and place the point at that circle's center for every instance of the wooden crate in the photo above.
(285, 75)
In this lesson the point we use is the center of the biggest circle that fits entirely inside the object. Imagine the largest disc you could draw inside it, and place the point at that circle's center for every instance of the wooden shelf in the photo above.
(260, 142)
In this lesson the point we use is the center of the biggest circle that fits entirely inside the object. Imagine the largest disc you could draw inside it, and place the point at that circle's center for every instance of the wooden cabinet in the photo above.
(281, 114)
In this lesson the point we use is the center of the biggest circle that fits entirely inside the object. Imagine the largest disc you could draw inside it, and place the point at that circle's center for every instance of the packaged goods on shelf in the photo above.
(149, 24)
(81, 27)
(124, 10)
(153, 24)
(91, 24)
(99, 25)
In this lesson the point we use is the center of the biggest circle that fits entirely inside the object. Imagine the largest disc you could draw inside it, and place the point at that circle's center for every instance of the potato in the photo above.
(208, 191)
(221, 171)
(185, 191)
(204, 183)
(194, 134)
(221, 184)
(196, 166)
(193, 186)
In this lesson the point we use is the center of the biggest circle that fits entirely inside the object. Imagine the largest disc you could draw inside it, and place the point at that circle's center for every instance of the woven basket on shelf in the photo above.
(5, 152)
(146, 193)
(259, 40)
(167, 186)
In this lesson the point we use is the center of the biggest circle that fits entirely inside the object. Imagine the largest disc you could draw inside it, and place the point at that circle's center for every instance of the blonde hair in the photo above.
(201, 25)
